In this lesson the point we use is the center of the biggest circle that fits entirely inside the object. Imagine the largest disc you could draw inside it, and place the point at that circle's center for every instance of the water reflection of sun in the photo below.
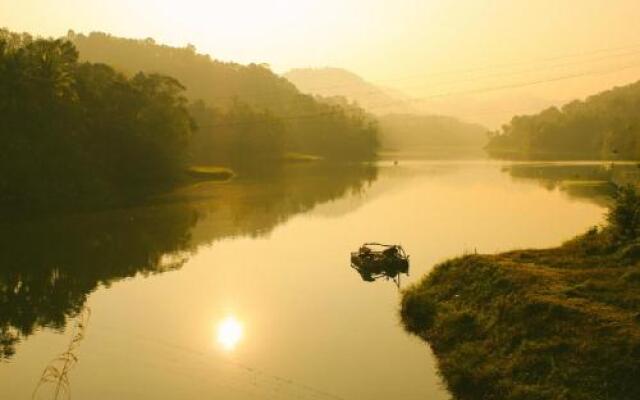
(229, 333)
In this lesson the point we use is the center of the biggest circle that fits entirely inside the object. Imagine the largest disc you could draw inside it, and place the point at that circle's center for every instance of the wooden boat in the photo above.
(376, 260)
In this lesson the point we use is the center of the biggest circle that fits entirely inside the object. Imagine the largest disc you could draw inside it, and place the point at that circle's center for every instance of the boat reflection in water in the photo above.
(374, 261)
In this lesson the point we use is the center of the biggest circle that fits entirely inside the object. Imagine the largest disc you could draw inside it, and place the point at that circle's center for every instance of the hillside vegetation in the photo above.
(604, 126)
(242, 109)
(561, 323)
(79, 134)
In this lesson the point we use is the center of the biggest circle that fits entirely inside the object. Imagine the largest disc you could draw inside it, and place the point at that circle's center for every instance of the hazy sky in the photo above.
(427, 48)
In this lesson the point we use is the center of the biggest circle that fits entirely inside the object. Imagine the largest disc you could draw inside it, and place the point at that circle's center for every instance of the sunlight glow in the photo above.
(229, 333)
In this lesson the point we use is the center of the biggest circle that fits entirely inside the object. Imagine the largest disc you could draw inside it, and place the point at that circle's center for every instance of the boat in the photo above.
(376, 260)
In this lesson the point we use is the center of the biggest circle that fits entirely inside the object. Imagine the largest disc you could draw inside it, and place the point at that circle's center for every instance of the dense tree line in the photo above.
(246, 101)
(77, 133)
(604, 126)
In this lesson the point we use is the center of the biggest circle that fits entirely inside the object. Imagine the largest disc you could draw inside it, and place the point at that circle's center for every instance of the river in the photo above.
(243, 290)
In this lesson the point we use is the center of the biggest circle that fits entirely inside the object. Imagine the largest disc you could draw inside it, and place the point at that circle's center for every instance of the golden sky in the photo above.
(441, 50)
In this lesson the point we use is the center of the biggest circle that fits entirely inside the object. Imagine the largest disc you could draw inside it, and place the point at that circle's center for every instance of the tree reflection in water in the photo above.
(594, 182)
(49, 267)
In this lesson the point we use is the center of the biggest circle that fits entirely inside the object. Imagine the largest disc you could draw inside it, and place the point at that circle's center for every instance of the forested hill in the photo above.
(80, 135)
(242, 101)
(604, 126)
(217, 83)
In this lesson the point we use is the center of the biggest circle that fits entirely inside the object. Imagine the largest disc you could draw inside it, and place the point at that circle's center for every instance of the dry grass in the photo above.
(56, 374)
(562, 323)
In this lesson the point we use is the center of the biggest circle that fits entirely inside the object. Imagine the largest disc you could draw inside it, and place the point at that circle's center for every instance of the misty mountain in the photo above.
(488, 109)
(402, 125)
(331, 82)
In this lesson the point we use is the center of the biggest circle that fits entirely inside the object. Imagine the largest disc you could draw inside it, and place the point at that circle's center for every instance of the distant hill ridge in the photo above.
(402, 126)
(340, 82)
(216, 82)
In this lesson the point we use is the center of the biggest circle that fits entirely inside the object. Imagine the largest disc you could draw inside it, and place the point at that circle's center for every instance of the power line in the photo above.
(447, 94)
(275, 93)
(496, 66)
(528, 62)
(293, 117)
(473, 79)
(502, 75)
(515, 85)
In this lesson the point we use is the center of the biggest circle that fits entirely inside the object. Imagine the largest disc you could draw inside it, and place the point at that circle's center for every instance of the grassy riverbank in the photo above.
(561, 323)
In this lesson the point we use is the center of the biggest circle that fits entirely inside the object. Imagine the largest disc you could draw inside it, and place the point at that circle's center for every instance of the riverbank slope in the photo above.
(561, 323)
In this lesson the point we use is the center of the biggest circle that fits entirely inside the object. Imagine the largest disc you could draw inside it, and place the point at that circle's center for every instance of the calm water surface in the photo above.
(243, 290)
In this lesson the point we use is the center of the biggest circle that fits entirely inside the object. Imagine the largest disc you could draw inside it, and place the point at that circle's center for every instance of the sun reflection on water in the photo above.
(229, 333)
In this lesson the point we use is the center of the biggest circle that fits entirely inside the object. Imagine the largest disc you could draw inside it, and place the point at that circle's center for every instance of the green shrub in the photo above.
(624, 216)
